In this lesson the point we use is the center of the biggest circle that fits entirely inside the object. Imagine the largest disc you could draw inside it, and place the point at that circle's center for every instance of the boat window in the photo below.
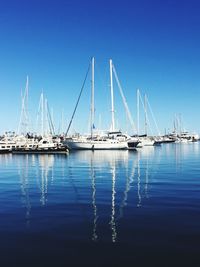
(3, 146)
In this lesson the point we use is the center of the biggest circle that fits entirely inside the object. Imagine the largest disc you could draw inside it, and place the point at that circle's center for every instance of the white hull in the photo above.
(146, 142)
(26, 143)
(96, 145)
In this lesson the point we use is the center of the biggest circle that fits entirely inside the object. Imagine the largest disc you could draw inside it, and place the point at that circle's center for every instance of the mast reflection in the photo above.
(99, 161)
(129, 185)
(41, 165)
(119, 179)
(112, 163)
(46, 163)
(139, 203)
(24, 184)
(112, 221)
(94, 234)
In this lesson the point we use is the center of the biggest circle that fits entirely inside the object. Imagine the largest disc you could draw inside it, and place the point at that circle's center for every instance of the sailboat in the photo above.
(45, 143)
(145, 140)
(11, 140)
(112, 139)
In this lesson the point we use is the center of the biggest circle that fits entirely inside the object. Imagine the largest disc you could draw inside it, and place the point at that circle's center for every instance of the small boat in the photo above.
(133, 143)
(45, 146)
(7, 143)
(186, 137)
(164, 140)
(146, 141)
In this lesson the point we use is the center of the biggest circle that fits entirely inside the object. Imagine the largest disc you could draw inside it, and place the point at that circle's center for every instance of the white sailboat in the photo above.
(11, 140)
(45, 142)
(112, 139)
(145, 140)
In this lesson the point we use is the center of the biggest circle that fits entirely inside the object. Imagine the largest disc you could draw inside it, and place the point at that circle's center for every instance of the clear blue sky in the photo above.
(155, 46)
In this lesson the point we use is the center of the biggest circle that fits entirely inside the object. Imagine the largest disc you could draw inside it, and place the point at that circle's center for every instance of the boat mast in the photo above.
(112, 98)
(62, 122)
(145, 112)
(26, 107)
(92, 99)
(24, 120)
(42, 114)
(138, 111)
(46, 132)
(180, 123)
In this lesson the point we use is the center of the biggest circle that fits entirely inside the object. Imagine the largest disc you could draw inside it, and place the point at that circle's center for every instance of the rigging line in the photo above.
(148, 122)
(124, 101)
(38, 113)
(51, 126)
(24, 109)
(21, 114)
(152, 114)
(78, 99)
(103, 83)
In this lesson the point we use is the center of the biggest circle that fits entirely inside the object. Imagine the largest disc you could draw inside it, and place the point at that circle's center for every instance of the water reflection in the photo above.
(34, 169)
(138, 185)
(112, 221)
(100, 157)
(45, 163)
(147, 179)
(108, 181)
(5, 159)
(94, 234)
(127, 171)
(129, 185)
(23, 173)
(129, 198)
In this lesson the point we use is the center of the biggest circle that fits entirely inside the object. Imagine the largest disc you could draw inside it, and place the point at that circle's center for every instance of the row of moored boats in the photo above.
(99, 141)
(47, 142)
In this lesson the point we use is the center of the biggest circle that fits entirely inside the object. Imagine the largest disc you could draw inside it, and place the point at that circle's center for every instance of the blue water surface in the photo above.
(101, 208)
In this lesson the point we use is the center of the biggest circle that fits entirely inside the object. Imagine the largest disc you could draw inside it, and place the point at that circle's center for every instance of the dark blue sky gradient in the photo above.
(155, 46)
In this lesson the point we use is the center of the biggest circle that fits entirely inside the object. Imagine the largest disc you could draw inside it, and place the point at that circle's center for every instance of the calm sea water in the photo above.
(101, 208)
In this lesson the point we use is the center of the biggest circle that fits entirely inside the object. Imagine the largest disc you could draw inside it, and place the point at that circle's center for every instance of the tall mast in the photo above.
(112, 98)
(26, 107)
(62, 122)
(180, 123)
(145, 112)
(175, 123)
(138, 111)
(42, 114)
(46, 132)
(92, 99)
(24, 120)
